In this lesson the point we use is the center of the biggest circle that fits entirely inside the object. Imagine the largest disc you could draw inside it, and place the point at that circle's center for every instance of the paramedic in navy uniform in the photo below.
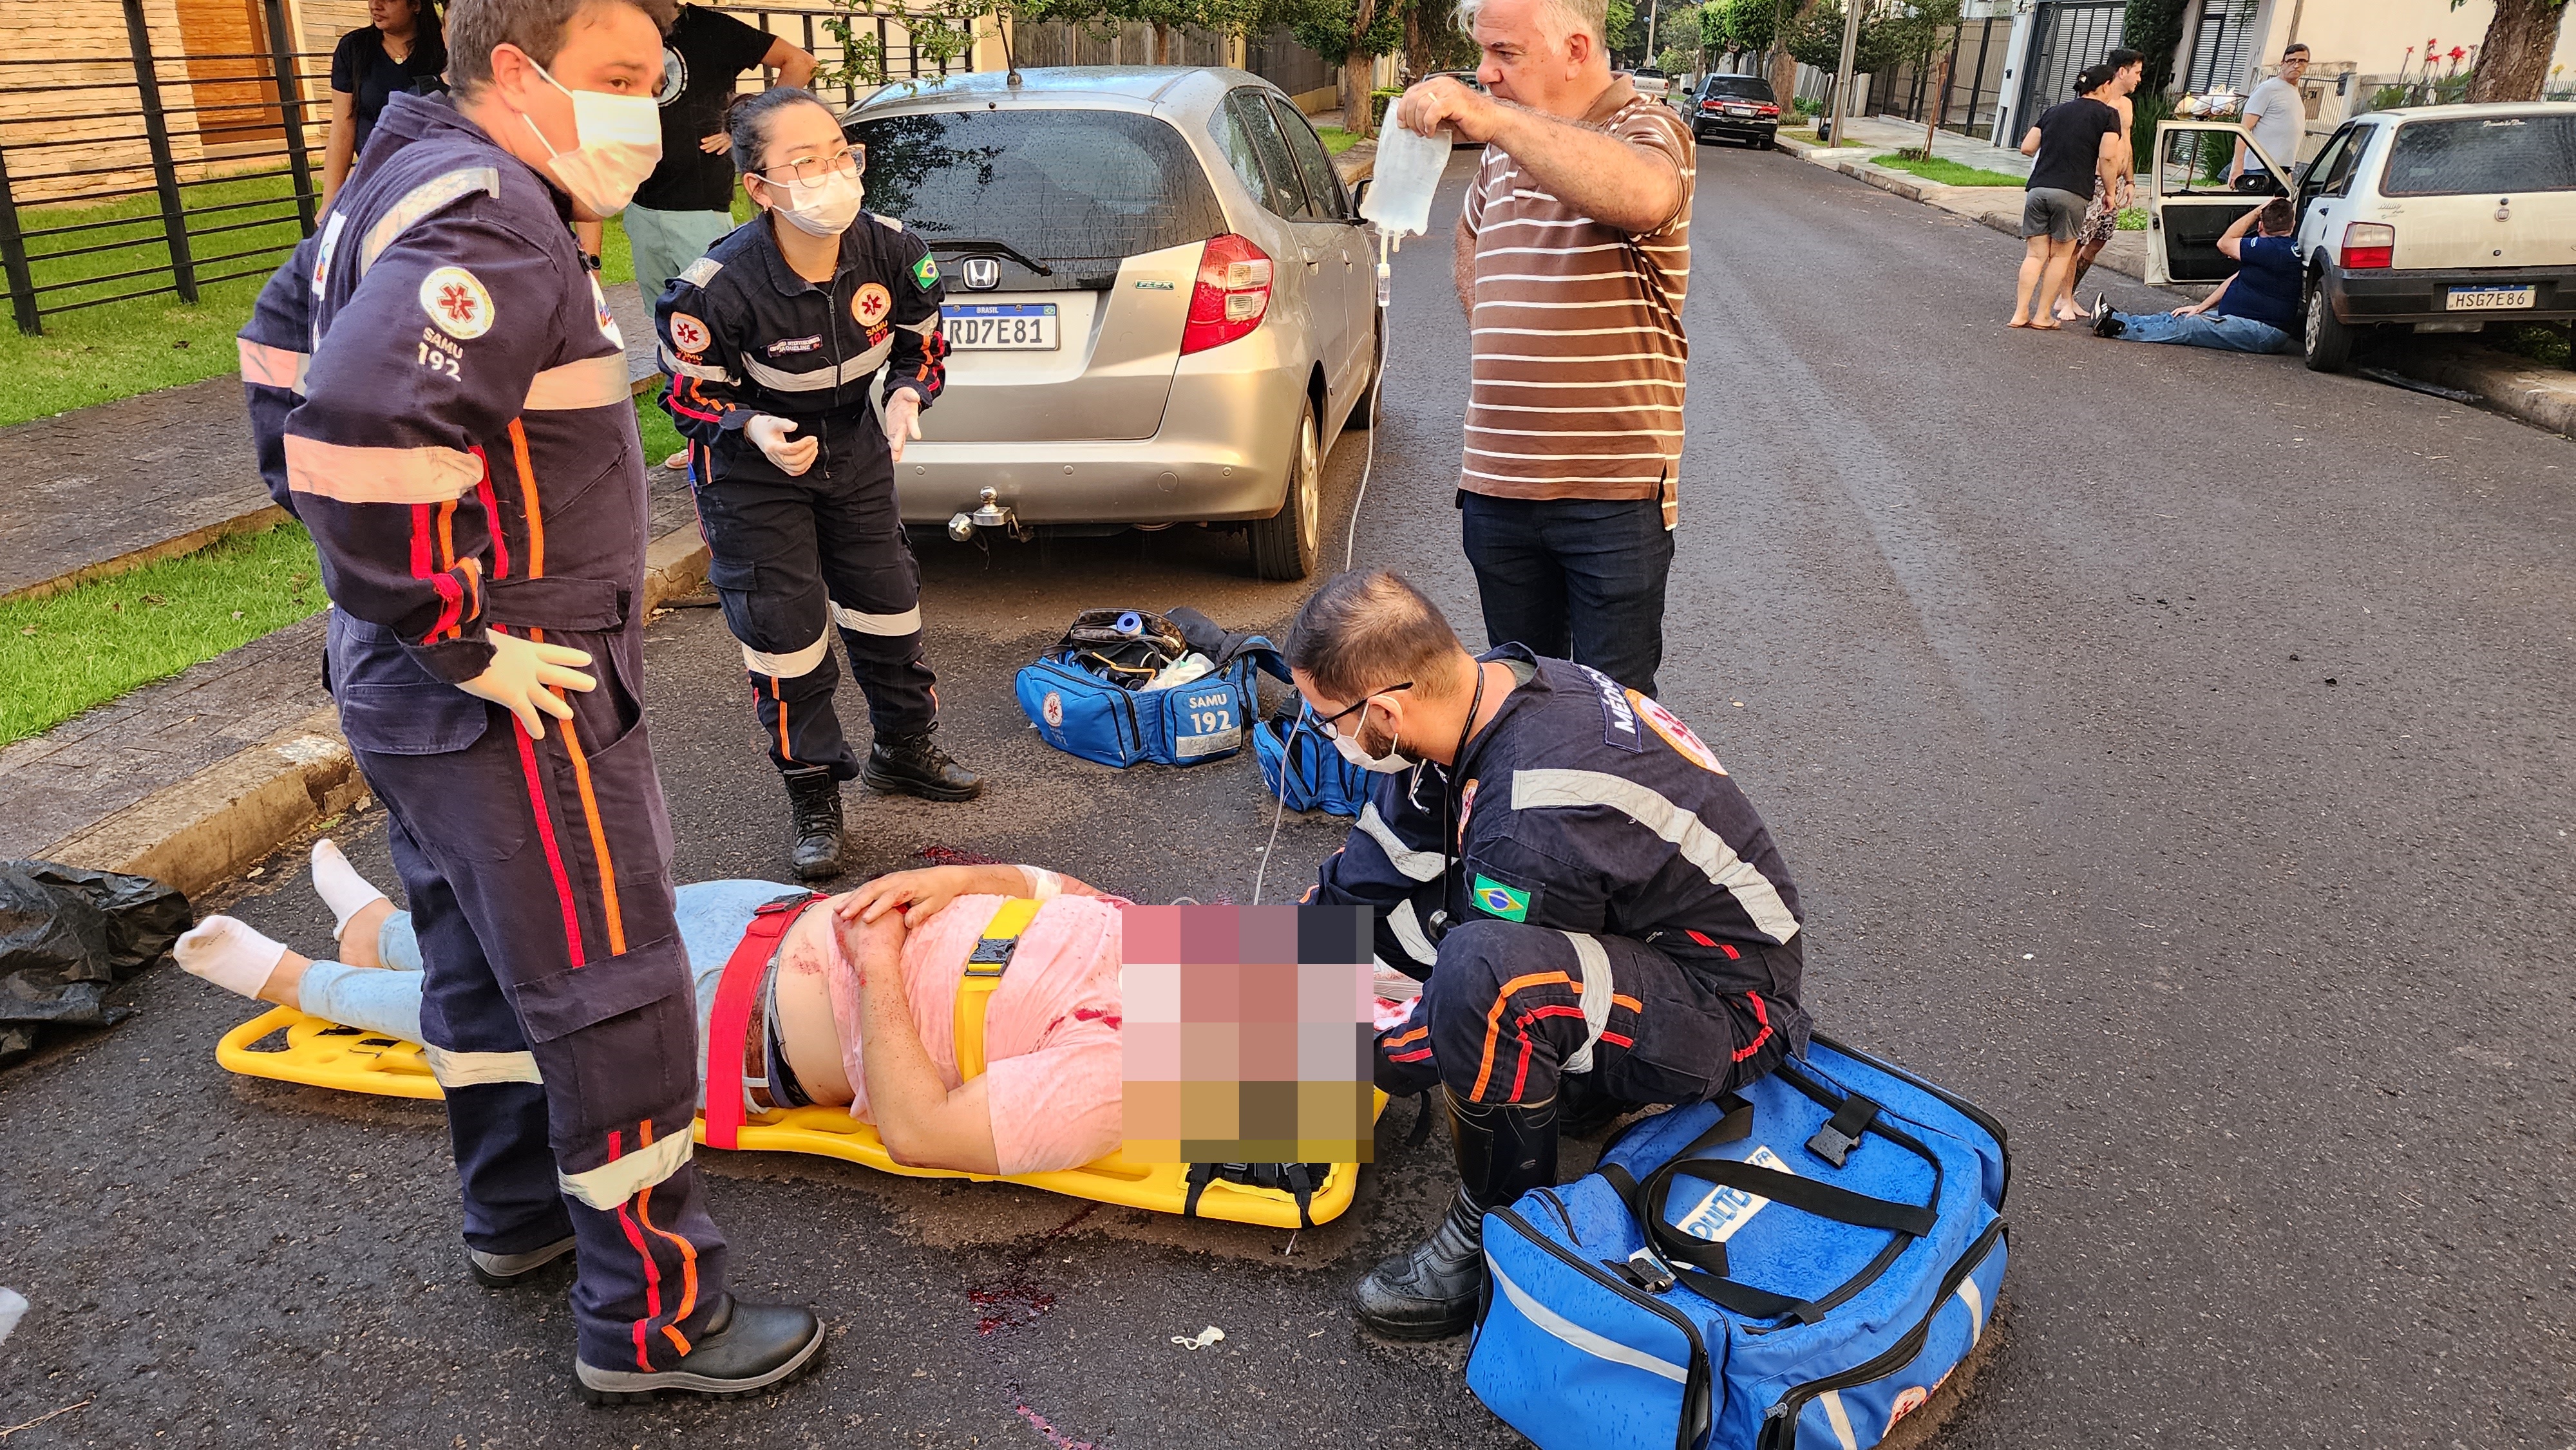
(772, 340)
(1598, 917)
(438, 391)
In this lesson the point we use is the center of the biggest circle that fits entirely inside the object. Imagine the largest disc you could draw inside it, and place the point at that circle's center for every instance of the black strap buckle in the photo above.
(1835, 1140)
(1650, 1273)
(992, 954)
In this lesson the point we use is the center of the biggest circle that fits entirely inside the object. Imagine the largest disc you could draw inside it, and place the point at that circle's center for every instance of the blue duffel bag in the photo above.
(1086, 696)
(1798, 1264)
(1302, 768)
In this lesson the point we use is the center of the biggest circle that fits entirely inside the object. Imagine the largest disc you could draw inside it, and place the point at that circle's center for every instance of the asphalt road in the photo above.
(2170, 749)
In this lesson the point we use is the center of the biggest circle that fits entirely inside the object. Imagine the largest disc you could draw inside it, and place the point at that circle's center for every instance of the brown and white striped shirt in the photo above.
(1577, 329)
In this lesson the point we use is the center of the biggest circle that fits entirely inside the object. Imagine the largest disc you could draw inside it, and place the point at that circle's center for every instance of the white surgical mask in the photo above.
(1349, 745)
(824, 209)
(617, 141)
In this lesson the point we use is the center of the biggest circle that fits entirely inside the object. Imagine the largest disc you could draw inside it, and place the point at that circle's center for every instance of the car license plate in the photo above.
(1739, 111)
(2487, 299)
(999, 326)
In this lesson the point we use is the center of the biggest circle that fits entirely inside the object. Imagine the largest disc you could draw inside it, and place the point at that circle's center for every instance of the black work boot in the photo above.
(509, 1271)
(744, 1348)
(912, 765)
(1431, 1293)
(814, 823)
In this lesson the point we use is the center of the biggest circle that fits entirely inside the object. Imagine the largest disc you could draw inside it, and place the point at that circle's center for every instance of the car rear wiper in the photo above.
(988, 247)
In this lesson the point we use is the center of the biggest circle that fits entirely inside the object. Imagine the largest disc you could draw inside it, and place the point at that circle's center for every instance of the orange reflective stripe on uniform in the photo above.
(273, 367)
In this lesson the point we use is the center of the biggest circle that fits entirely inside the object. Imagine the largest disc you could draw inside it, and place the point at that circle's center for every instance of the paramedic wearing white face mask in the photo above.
(1597, 916)
(772, 341)
(438, 392)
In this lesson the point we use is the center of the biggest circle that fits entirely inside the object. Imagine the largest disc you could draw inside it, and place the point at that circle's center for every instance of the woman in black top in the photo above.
(403, 50)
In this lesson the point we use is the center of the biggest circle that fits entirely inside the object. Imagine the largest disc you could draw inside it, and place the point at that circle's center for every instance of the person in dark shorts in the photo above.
(2257, 310)
(2111, 83)
(400, 52)
(2075, 143)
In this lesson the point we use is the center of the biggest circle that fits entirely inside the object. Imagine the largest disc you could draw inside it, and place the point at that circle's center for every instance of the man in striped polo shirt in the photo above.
(1573, 257)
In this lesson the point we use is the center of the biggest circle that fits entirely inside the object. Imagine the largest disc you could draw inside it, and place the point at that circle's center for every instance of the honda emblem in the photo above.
(982, 274)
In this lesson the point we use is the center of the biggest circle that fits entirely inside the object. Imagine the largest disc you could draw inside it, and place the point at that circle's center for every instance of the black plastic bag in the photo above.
(68, 935)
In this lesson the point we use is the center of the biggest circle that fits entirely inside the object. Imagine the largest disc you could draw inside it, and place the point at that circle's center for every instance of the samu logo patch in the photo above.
(1496, 899)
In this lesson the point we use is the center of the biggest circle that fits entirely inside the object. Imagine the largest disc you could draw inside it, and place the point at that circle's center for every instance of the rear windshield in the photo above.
(1077, 191)
(2499, 154)
(1750, 88)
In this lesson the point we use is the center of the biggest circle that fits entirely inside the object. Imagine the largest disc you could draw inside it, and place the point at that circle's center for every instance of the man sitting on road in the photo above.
(1598, 916)
(2256, 310)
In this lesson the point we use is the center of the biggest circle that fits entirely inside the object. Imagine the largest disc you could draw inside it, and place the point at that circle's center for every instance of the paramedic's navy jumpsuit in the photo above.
(1613, 908)
(794, 556)
(437, 390)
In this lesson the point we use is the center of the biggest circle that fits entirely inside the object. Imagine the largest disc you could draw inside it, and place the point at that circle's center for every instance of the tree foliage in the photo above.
(1889, 34)
(1746, 24)
(1338, 29)
(2153, 28)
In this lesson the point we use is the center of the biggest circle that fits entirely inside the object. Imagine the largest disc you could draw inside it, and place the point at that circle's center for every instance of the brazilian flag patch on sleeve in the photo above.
(1495, 899)
(925, 273)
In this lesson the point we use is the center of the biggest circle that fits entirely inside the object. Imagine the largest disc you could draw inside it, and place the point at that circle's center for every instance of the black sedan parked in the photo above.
(1741, 107)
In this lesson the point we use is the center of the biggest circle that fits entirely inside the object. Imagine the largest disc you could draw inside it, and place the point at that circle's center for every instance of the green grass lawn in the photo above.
(1945, 172)
(99, 354)
(1336, 140)
(661, 440)
(86, 646)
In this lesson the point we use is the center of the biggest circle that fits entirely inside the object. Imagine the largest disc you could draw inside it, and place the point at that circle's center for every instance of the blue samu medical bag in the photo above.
(1301, 767)
(1094, 695)
(1796, 1266)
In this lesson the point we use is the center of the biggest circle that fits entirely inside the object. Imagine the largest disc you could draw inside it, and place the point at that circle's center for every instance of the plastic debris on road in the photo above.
(1200, 1340)
(67, 936)
(13, 1307)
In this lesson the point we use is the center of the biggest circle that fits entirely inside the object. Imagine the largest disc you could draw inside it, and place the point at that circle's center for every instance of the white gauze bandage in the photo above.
(1044, 885)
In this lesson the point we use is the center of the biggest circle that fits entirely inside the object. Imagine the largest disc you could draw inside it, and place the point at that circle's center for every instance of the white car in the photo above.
(2426, 219)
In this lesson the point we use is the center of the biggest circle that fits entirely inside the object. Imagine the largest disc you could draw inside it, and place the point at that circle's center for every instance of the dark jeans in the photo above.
(1573, 578)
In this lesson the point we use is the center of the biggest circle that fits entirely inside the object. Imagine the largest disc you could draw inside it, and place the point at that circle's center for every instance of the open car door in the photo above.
(2191, 201)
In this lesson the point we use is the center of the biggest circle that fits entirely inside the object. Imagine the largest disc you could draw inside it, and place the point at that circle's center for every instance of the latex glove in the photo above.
(769, 434)
(523, 677)
(720, 141)
(902, 420)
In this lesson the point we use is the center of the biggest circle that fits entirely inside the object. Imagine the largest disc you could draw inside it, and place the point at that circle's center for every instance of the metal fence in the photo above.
(165, 172)
(1977, 51)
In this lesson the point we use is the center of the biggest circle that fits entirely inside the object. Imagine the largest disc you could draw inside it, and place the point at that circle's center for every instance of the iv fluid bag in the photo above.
(1407, 173)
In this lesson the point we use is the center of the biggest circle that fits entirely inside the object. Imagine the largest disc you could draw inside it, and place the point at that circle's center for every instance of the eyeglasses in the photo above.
(850, 161)
(1326, 723)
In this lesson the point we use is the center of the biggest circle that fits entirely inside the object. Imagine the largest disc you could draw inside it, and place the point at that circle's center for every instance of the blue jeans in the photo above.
(1573, 578)
(2203, 329)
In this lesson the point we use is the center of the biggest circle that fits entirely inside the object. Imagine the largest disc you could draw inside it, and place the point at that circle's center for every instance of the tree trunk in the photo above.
(2513, 61)
(1355, 93)
(1162, 43)
(1940, 104)
(1784, 66)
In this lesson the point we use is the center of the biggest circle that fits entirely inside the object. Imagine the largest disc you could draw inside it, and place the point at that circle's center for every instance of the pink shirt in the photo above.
(1050, 1030)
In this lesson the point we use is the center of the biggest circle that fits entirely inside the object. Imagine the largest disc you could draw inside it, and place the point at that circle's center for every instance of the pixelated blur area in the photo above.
(1248, 1034)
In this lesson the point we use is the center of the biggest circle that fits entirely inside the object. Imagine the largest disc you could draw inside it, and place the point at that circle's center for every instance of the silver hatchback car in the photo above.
(1161, 302)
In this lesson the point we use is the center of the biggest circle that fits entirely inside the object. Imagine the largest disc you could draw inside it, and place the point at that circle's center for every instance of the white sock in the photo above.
(341, 887)
(229, 953)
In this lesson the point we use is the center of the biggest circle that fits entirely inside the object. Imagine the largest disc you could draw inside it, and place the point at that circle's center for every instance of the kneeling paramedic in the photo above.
(772, 340)
(460, 440)
(1598, 917)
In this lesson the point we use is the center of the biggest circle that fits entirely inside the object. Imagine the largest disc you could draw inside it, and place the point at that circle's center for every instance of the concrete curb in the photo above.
(132, 559)
(198, 832)
(2541, 396)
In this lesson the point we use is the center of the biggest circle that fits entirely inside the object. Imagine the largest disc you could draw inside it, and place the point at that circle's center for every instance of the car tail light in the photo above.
(1231, 296)
(2368, 244)
(1767, 110)
(1708, 105)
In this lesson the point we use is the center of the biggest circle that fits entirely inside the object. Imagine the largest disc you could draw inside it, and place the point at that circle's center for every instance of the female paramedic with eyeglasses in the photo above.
(772, 341)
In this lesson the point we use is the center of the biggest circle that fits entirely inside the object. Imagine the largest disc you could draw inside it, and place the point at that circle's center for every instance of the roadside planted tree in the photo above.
(1353, 33)
(2153, 28)
(1787, 18)
(1684, 39)
(2513, 62)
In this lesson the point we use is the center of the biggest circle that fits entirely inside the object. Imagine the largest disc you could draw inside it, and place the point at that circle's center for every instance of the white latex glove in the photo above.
(902, 420)
(769, 435)
(519, 677)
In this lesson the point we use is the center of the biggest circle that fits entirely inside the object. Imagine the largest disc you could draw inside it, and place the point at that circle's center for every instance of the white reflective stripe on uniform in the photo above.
(820, 378)
(700, 272)
(679, 366)
(1976, 1303)
(466, 1069)
(791, 665)
(1557, 1325)
(1419, 865)
(892, 626)
(378, 475)
(619, 1179)
(1702, 847)
(593, 382)
(1596, 997)
(1832, 1400)
(273, 367)
(925, 326)
(420, 201)
(1408, 933)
